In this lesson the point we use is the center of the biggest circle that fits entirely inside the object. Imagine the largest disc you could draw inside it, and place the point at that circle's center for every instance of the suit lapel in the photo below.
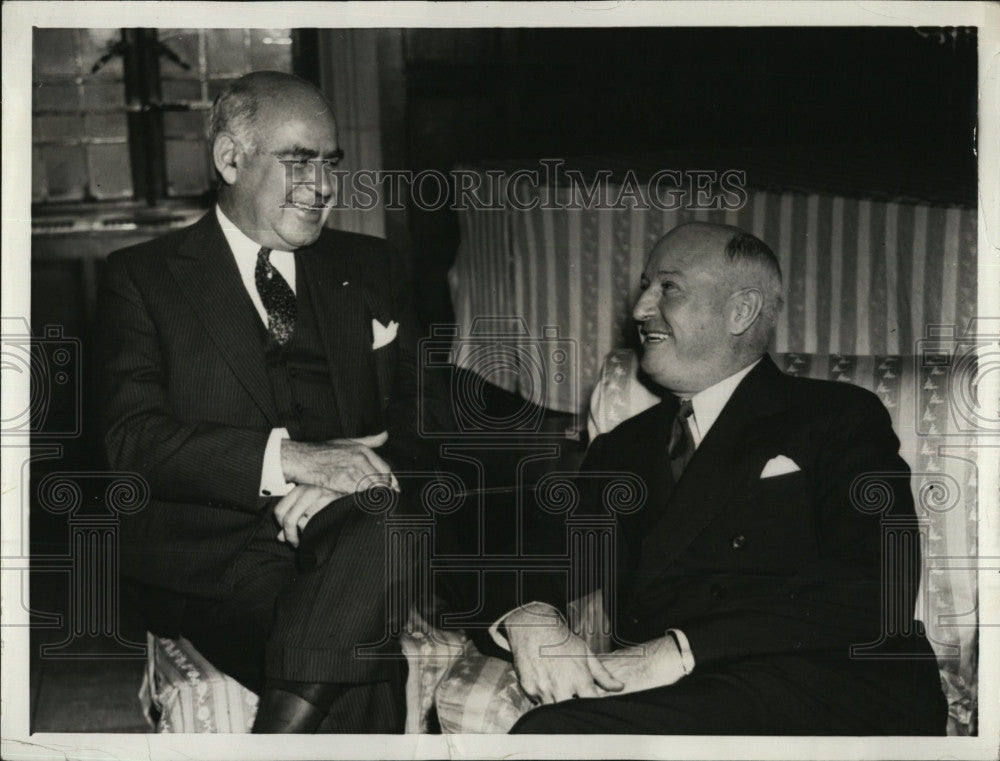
(718, 474)
(344, 326)
(207, 274)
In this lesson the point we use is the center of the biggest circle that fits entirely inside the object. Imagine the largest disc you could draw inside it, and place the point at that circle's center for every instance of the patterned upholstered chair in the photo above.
(182, 692)
(480, 694)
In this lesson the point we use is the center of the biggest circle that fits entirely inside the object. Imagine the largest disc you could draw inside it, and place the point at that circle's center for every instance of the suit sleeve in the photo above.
(183, 460)
(835, 600)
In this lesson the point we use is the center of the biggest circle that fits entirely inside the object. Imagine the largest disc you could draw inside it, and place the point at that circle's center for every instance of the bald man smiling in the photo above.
(748, 572)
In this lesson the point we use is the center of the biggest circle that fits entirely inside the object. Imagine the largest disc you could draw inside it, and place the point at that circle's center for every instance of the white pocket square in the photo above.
(779, 466)
(382, 335)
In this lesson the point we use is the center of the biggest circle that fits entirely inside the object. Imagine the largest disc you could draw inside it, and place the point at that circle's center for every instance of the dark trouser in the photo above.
(755, 698)
(300, 615)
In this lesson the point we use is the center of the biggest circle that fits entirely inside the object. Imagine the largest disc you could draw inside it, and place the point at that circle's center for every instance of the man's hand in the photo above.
(345, 466)
(656, 663)
(551, 662)
(298, 506)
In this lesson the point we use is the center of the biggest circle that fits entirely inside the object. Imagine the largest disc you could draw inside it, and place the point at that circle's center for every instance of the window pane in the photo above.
(96, 43)
(185, 124)
(55, 52)
(215, 86)
(110, 171)
(55, 97)
(183, 42)
(187, 167)
(100, 95)
(65, 172)
(226, 51)
(271, 49)
(106, 125)
(81, 126)
(180, 90)
(58, 128)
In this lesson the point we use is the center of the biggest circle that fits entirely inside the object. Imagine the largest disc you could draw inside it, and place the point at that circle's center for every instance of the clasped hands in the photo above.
(554, 664)
(323, 473)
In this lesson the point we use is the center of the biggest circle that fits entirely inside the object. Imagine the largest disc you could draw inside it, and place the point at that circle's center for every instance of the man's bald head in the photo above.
(255, 99)
(709, 303)
(267, 129)
(739, 260)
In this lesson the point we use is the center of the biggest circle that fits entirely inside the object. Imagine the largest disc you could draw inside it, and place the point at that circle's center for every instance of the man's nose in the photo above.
(645, 306)
(313, 182)
(328, 183)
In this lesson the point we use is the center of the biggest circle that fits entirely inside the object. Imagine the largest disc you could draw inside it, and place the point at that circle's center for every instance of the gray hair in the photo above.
(757, 267)
(235, 111)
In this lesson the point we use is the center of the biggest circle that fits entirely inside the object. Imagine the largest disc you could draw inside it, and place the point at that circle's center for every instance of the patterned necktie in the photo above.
(278, 298)
(681, 441)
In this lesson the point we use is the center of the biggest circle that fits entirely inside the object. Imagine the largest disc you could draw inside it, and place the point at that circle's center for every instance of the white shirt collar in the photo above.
(709, 402)
(241, 244)
(245, 253)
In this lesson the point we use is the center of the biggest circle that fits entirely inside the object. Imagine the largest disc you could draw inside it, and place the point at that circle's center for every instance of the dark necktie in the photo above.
(278, 298)
(681, 441)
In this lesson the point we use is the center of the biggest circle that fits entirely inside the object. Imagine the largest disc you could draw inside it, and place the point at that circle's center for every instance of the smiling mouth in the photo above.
(307, 207)
(655, 336)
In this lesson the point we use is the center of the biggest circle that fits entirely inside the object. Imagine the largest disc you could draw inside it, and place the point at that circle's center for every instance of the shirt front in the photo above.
(708, 403)
(245, 253)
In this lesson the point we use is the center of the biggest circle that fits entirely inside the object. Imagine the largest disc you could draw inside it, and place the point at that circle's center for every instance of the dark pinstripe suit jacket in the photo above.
(187, 400)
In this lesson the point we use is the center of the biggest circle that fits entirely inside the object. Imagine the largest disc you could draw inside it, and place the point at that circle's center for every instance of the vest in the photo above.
(300, 377)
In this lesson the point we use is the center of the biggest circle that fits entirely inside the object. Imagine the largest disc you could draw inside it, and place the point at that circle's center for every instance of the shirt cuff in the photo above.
(494, 629)
(272, 477)
(687, 657)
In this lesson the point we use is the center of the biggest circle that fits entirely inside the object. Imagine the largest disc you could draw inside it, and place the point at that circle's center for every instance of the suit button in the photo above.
(717, 590)
(634, 620)
(738, 541)
(299, 409)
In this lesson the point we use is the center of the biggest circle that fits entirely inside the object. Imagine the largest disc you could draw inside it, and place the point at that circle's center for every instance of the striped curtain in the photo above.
(861, 277)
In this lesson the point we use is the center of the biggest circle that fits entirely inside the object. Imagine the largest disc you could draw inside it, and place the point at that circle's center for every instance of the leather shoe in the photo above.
(282, 712)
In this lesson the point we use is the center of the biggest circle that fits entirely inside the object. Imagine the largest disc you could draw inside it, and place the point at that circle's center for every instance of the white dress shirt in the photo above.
(707, 405)
(245, 250)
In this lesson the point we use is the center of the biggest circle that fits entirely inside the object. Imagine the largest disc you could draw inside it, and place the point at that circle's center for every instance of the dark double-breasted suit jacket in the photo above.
(785, 572)
(187, 398)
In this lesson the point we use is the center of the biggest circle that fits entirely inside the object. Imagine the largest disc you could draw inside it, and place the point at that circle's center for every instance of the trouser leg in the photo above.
(296, 618)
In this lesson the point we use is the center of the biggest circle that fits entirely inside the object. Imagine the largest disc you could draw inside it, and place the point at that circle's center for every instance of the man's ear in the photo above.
(226, 154)
(744, 309)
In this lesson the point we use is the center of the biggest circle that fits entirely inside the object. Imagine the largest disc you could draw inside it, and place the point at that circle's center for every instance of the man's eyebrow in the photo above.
(671, 273)
(301, 152)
